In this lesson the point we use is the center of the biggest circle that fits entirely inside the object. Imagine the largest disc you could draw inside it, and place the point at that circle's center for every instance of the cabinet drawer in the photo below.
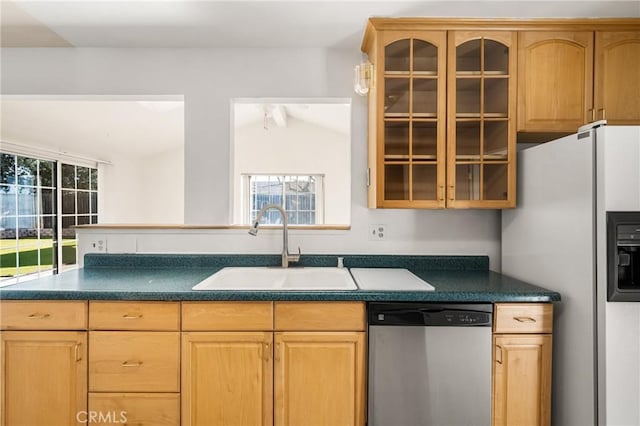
(523, 318)
(134, 316)
(43, 315)
(227, 316)
(320, 316)
(152, 409)
(134, 361)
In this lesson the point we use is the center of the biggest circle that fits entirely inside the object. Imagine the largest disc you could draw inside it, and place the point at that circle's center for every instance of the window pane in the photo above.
(83, 220)
(83, 177)
(46, 173)
(68, 176)
(94, 202)
(8, 199)
(94, 219)
(27, 201)
(94, 179)
(67, 223)
(48, 223)
(7, 168)
(47, 201)
(47, 252)
(68, 202)
(83, 202)
(27, 171)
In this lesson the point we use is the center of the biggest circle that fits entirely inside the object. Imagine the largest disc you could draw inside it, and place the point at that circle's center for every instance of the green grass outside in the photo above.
(28, 256)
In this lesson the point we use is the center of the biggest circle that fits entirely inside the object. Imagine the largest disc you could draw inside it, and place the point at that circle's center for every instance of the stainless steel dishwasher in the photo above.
(429, 364)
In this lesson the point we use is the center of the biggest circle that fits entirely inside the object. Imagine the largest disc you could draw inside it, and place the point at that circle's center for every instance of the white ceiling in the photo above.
(258, 23)
(99, 129)
(333, 116)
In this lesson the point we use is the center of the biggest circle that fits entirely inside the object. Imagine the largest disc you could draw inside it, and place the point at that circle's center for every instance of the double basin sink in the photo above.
(276, 278)
(269, 278)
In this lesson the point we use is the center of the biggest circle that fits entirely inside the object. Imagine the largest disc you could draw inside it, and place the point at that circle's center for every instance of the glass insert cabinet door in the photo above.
(412, 99)
(481, 111)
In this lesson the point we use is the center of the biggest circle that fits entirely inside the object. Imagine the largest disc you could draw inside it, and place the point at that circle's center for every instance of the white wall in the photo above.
(298, 148)
(142, 188)
(208, 79)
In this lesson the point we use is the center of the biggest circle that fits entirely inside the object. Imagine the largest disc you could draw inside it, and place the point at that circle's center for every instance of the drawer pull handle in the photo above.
(39, 316)
(524, 319)
(499, 351)
(129, 316)
(132, 364)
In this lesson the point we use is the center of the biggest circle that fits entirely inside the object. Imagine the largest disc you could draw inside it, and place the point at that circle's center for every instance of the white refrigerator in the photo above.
(556, 238)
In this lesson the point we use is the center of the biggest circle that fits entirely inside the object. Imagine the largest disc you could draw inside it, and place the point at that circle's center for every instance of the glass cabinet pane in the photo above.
(467, 97)
(425, 57)
(496, 96)
(396, 56)
(396, 182)
(425, 97)
(467, 140)
(468, 181)
(496, 140)
(396, 97)
(425, 185)
(425, 139)
(468, 57)
(495, 182)
(396, 139)
(496, 57)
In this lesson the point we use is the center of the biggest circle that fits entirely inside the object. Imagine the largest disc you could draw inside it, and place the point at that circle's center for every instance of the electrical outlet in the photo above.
(97, 244)
(377, 232)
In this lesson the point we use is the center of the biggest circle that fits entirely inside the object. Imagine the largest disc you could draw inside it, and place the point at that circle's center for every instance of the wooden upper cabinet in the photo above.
(481, 112)
(554, 80)
(617, 77)
(407, 120)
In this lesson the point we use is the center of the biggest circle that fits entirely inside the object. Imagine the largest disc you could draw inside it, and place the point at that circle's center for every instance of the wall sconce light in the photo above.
(363, 78)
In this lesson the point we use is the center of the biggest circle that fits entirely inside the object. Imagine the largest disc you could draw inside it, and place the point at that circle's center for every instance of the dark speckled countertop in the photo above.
(171, 277)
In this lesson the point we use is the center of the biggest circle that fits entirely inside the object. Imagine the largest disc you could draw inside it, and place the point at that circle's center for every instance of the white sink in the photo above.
(277, 278)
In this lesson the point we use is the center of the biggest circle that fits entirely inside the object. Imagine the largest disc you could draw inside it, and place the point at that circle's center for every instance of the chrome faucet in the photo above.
(253, 230)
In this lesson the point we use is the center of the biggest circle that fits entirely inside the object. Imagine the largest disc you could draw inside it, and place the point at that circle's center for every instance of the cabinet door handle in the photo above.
(451, 192)
(604, 117)
(38, 315)
(277, 354)
(441, 195)
(592, 113)
(266, 354)
(524, 319)
(78, 354)
(132, 364)
(130, 316)
(499, 352)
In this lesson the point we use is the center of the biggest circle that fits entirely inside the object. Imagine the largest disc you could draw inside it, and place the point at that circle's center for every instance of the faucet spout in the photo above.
(253, 230)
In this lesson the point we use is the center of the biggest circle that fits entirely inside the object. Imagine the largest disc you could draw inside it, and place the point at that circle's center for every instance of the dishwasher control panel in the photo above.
(430, 314)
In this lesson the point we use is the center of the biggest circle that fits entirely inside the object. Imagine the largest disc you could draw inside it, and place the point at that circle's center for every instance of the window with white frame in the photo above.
(302, 196)
(41, 201)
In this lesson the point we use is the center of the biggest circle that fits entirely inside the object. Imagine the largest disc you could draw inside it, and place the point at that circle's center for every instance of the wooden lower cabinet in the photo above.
(227, 378)
(320, 378)
(44, 377)
(522, 339)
